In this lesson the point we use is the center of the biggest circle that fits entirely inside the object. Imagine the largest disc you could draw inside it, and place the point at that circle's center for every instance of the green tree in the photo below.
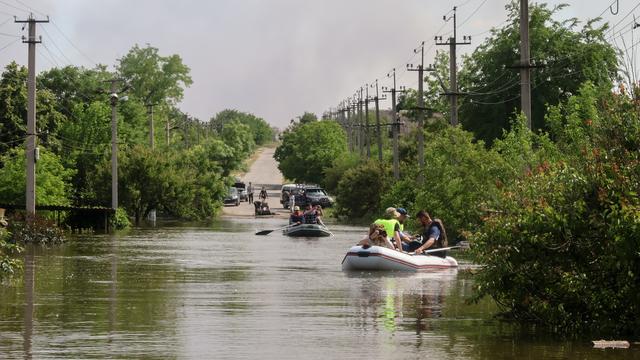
(360, 189)
(309, 149)
(571, 56)
(52, 179)
(154, 78)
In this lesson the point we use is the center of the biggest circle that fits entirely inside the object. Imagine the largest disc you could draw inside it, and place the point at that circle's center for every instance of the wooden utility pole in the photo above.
(452, 42)
(361, 138)
(367, 137)
(525, 65)
(377, 99)
(151, 128)
(31, 145)
(395, 125)
(420, 69)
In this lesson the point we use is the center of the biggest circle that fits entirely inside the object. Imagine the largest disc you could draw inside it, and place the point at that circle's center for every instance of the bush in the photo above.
(36, 230)
(8, 264)
(360, 189)
(561, 247)
(120, 219)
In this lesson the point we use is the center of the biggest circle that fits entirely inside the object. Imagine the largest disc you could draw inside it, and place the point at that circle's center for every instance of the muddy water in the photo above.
(220, 292)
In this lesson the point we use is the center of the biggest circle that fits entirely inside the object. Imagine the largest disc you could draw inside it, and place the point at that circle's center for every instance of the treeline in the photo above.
(552, 213)
(186, 172)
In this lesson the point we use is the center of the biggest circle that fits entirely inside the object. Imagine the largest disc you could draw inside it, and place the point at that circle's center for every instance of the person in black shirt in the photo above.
(434, 235)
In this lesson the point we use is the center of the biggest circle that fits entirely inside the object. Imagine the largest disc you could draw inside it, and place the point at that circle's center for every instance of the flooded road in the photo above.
(220, 292)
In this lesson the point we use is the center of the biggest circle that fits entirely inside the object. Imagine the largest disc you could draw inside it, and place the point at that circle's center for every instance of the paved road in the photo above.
(263, 171)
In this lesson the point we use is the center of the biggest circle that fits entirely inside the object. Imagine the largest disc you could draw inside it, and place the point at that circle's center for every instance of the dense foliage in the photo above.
(561, 247)
(308, 149)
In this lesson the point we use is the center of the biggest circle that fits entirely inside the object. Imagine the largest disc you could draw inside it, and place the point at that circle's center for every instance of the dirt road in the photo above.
(264, 171)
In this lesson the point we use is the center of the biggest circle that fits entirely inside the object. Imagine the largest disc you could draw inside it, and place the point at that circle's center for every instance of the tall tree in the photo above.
(570, 56)
(153, 78)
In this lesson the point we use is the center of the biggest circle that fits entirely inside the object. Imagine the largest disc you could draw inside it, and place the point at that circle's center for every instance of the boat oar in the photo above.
(436, 250)
(267, 232)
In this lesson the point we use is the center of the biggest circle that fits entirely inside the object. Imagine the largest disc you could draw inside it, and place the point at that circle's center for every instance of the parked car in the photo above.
(232, 197)
(317, 196)
(242, 190)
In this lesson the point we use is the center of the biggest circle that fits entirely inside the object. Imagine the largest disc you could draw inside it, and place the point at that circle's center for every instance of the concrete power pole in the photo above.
(367, 137)
(453, 67)
(113, 95)
(420, 69)
(151, 129)
(377, 99)
(525, 65)
(31, 148)
(395, 125)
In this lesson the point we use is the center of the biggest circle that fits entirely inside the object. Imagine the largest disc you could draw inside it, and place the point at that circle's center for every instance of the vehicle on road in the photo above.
(242, 190)
(232, 197)
(317, 196)
(291, 189)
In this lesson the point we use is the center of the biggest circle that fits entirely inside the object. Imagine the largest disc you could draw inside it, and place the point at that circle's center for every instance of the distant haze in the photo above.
(274, 58)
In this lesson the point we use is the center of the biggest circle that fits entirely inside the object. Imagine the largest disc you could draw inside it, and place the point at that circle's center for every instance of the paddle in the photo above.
(436, 250)
(267, 232)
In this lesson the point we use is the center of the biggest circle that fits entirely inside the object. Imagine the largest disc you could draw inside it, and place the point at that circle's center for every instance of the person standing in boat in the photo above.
(297, 217)
(391, 226)
(434, 235)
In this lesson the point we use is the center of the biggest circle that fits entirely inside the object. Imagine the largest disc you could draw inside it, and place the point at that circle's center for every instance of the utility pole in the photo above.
(377, 99)
(453, 67)
(525, 65)
(31, 148)
(361, 138)
(151, 131)
(367, 137)
(395, 125)
(420, 69)
(113, 95)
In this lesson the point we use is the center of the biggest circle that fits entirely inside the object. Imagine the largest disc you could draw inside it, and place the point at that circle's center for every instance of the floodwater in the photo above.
(220, 292)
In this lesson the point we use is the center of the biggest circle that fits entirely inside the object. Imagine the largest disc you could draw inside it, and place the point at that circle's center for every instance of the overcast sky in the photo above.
(274, 58)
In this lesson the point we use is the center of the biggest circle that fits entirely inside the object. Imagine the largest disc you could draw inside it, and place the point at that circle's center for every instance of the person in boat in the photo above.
(297, 217)
(377, 236)
(392, 227)
(402, 219)
(311, 215)
(434, 236)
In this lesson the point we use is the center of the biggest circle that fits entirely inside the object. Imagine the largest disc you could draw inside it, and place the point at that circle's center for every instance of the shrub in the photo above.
(36, 230)
(360, 189)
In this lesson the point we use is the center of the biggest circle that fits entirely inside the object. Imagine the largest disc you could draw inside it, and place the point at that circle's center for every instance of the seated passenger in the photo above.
(310, 215)
(434, 235)
(391, 227)
(296, 217)
(377, 236)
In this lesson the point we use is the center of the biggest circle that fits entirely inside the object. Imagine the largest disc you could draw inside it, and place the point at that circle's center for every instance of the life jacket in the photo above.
(310, 217)
(389, 226)
(441, 241)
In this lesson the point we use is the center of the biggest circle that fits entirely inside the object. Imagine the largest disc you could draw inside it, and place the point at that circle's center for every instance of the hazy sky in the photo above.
(274, 58)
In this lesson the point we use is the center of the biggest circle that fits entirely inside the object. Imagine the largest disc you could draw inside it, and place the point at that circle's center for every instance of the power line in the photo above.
(91, 61)
(56, 46)
(14, 7)
(473, 13)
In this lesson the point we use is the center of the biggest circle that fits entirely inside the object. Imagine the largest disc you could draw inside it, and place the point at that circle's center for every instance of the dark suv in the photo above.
(317, 196)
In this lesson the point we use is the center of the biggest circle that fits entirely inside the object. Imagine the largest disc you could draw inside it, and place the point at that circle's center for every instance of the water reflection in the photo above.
(29, 298)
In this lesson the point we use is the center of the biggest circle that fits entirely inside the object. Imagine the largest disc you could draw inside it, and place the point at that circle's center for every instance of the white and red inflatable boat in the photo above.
(385, 259)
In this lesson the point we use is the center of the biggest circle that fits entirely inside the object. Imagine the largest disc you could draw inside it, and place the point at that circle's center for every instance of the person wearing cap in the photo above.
(296, 217)
(404, 215)
(434, 235)
(391, 226)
